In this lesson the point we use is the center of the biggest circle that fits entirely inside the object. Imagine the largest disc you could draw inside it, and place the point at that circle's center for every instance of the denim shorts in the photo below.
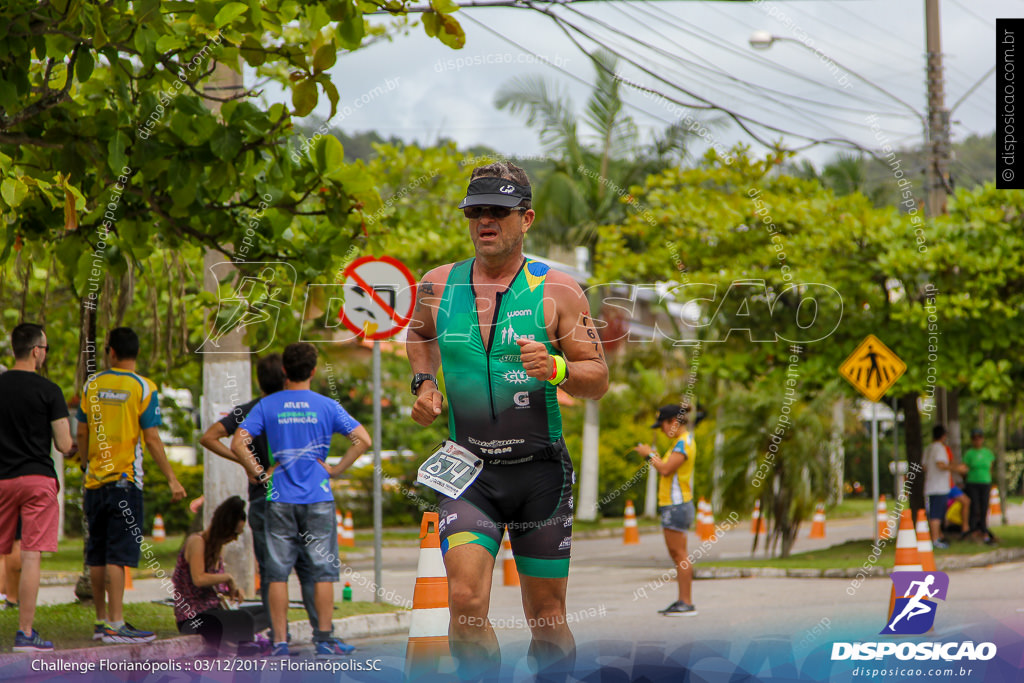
(676, 517)
(307, 528)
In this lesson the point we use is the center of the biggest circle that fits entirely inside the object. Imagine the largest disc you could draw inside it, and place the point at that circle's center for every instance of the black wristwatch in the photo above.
(421, 377)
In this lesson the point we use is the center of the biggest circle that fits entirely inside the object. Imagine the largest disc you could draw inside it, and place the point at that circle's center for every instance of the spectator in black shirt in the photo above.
(33, 413)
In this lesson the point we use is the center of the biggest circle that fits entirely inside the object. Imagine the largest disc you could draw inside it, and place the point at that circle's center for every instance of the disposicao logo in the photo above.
(913, 612)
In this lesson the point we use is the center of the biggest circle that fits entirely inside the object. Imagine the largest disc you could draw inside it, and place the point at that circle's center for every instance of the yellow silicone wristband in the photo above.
(559, 370)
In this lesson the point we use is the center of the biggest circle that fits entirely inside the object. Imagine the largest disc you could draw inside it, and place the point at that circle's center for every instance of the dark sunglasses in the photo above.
(44, 347)
(496, 212)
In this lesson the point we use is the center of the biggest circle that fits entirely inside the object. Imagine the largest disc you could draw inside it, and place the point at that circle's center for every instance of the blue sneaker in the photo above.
(126, 634)
(333, 647)
(280, 650)
(33, 643)
(98, 629)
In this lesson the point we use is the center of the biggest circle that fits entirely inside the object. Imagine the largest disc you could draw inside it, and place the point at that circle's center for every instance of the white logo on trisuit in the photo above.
(507, 189)
(508, 335)
(566, 542)
(522, 399)
(523, 311)
(517, 377)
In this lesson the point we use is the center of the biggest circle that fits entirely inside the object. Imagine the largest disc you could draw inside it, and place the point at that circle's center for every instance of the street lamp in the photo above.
(763, 40)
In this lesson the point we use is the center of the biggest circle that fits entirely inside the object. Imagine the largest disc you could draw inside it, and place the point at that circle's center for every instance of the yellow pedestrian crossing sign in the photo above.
(872, 368)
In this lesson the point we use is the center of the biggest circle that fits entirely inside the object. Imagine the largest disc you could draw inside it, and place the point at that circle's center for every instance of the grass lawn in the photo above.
(852, 554)
(851, 507)
(70, 625)
(70, 555)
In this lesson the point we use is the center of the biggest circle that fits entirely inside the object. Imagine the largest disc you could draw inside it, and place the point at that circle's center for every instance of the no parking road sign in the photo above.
(379, 297)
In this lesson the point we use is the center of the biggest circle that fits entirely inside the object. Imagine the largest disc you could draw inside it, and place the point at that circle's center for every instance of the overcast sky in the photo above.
(429, 93)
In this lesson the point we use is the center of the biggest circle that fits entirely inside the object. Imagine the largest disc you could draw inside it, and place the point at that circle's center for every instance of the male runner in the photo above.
(507, 331)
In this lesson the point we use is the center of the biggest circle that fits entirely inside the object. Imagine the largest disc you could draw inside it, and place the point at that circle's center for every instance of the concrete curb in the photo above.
(949, 563)
(19, 665)
(358, 626)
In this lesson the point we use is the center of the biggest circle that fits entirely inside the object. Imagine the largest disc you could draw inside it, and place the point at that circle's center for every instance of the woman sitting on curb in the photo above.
(209, 595)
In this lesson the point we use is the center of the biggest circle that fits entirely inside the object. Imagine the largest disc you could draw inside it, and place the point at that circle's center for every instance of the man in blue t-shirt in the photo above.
(298, 424)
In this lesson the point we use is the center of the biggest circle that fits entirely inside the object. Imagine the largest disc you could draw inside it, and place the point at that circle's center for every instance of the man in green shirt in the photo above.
(980, 463)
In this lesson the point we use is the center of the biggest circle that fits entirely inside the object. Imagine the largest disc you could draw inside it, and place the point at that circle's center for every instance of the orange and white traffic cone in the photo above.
(757, 525)
(711, 522)
(995, 505)
(818, 523)
(128, 585)
(159, 533)
(924, 543)
(907, 559)
(428, 630)
(348, 532)
(705, 530)
(882, 517)
(509, 563)
(630, 531)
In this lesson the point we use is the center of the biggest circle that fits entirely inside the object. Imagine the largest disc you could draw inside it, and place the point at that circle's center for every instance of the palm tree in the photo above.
(588, 183)
(787, 471)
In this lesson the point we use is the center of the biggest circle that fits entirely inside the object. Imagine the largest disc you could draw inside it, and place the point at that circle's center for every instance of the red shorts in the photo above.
(34, 498)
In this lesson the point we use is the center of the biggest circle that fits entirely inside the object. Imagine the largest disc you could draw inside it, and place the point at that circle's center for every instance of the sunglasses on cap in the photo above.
(496, 212)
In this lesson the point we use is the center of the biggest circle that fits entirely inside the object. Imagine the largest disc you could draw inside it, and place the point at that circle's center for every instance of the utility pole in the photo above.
(227, 381)
(938, 116)
(937, 178)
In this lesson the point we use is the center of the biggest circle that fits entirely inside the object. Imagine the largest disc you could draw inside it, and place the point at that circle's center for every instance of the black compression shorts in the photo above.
(533, 500)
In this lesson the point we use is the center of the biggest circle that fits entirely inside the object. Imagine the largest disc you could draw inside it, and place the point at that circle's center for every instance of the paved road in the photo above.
(616, 590)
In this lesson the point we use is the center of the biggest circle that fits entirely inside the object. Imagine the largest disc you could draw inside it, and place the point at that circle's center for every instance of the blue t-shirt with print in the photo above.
(299, 425)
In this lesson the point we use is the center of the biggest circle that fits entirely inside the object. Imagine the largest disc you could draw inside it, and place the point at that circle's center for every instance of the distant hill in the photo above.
(973, 163)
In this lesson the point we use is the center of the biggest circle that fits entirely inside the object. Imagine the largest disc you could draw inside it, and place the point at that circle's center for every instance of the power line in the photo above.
(813, 118)
(744, 122)
(987, 22)
(744, 83)
(568, 73)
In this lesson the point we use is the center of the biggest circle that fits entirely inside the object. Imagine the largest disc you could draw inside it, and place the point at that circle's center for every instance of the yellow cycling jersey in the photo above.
(117, 405)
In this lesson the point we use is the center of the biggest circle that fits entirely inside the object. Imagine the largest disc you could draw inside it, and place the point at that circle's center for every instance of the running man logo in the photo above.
(913, 612)
(253, 308)
(872, 368)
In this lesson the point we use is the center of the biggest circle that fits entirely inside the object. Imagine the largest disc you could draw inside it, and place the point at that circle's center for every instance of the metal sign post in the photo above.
(872, 369)
(379, 298)
(874, 461)
(378, 478)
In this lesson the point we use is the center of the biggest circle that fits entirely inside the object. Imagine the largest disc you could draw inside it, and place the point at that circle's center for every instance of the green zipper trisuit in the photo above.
(495, 409)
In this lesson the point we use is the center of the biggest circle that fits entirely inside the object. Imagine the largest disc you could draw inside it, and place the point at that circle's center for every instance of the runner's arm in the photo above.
(574, 334)
(422, 348)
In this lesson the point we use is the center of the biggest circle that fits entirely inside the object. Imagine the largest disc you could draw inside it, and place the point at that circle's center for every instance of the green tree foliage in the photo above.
(772, 260)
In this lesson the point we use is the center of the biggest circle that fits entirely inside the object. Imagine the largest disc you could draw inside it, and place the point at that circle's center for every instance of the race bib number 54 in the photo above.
(450, 470)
